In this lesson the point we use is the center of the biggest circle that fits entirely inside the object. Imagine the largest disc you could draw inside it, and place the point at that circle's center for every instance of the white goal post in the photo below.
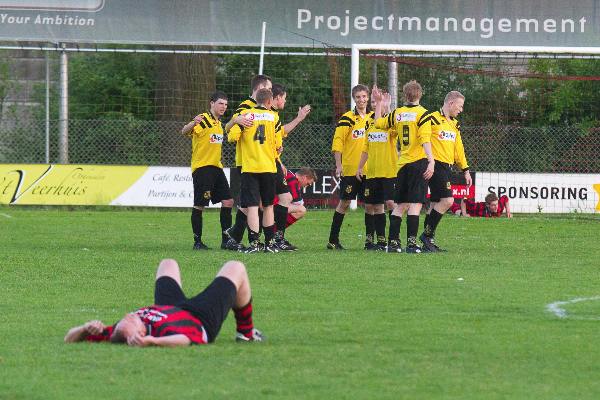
(548, 50)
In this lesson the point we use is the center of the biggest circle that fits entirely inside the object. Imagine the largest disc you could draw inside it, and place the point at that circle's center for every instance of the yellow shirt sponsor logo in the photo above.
(406, 117)
(377, 137)
(358, 133)
(447, 135)
(215, 138)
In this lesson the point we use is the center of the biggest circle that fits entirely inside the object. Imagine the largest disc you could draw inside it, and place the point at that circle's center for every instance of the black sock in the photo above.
(281, 213)
(434, 220)
(395, 223)
(253, 236)
(268, 230)
(412, 228)
(197, 224)
(390, 215)
(260, 227)
(225, 218)
(380, 227)
(240, 225)
(336, 224)
(260, 223)
(369, 228)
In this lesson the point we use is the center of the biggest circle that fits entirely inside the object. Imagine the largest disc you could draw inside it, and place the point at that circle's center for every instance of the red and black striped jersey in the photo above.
(164, 321)
(294, 185)
(481, 209)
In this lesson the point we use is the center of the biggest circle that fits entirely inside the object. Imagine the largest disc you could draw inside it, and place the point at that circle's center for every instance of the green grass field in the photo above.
(346, 324)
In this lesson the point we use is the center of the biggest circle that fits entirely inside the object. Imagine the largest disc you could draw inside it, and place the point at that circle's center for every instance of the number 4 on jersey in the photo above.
(259, 135)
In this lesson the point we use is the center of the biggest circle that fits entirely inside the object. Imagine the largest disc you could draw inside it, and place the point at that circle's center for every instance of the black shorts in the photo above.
(411, 187)
(257, 187)
(351, 187)
(210, 185)
(281, 185)
(210, 306)
(378, 190)
(439, 184)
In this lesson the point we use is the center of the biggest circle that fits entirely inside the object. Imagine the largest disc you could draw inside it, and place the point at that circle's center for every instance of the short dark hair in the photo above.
(491, 197)
(263, 95)
(307, 172)
(278, 90)
(218, 95)
(359, 88)
(259, 80)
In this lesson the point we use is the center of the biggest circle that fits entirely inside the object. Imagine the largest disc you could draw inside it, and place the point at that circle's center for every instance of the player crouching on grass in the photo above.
(175, 320)
(284, 197)
(491, 207)
(297, 182)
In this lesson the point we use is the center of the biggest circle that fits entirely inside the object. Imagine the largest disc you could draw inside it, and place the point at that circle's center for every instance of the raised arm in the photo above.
(80, 333)
(188, 127)
(302, 113)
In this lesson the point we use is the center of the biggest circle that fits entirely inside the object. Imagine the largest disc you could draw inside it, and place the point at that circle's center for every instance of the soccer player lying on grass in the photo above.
(296, 182)
(491, 207)
(174, 319)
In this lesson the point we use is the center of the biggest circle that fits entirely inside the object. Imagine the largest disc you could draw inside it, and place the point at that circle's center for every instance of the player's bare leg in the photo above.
(235, 271)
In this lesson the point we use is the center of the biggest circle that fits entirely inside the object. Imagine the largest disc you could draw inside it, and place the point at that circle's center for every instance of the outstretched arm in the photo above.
(80, 333)
(164, 341)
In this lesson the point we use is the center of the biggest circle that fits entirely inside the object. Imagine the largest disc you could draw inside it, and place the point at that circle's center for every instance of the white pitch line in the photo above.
(6, 215)
(556, 307)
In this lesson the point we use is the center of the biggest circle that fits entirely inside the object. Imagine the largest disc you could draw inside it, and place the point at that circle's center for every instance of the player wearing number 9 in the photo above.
(415, 164)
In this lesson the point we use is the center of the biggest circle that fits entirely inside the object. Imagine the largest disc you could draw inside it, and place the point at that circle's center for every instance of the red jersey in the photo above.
(295, 188)
(164, 321)
(480, 209)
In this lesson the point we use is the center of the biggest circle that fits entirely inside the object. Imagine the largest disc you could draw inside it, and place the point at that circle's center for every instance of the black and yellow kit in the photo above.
(413, 129)
(207, 140)
(258, 142)
(380, 145)
(349, 139)
(446, 142)
(244, 105)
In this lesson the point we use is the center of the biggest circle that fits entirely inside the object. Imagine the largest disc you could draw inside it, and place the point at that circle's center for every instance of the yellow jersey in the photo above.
(244, 105)
(413, 129)
(207, 140)
(279, 135)
(380, 145)
(446, 142)
(349, 139)
(258, 143)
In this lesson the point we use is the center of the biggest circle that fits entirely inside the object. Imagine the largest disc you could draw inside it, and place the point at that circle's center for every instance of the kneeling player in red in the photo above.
(296, 182)
(174, 319)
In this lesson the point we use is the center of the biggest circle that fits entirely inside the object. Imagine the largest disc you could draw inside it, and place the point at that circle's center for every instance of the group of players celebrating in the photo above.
(370, 167)
(367, 160)
(270, 195)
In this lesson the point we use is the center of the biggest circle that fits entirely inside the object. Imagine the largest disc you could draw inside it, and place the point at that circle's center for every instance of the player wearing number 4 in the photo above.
(415, 164)
(210, 183)
(258, 147)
